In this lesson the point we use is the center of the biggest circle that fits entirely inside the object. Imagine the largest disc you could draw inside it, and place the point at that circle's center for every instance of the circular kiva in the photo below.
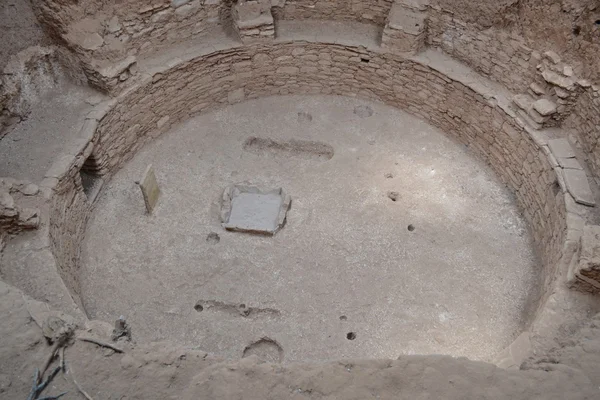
(466, 109)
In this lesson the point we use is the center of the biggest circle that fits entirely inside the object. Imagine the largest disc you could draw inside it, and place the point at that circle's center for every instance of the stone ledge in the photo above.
(343, 33)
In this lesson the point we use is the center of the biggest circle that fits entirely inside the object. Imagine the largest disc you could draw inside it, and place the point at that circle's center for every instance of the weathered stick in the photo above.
(41, 387)
(79, 388)
(62, 358)
(38, 388)
(101, 344)
(36, 376)
(55, 347)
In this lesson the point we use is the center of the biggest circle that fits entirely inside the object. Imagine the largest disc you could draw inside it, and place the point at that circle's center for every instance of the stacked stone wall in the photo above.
(585, 120)
(68, 216)
(207, 82)
(69, 207)
(493, 52)
(371, 11)
(108, 37)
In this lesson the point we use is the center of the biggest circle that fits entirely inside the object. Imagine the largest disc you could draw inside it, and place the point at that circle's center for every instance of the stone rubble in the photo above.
(586, 272)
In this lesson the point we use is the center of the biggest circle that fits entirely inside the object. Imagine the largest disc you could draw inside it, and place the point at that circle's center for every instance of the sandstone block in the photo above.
(537, 89)
(558, 80)
(552, 56)
(578, 186)
(179, 3)
(523, 101)
(570, 163)
(544, 106)
(236, 96)
(561, 148)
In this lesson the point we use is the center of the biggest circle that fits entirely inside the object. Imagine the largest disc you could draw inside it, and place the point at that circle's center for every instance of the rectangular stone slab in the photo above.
(561, 148)
(579, 187)
(250, 209)
(150, 189)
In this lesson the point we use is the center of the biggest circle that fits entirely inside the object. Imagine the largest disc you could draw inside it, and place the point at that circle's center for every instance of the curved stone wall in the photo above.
(292, 68)
(462, 107)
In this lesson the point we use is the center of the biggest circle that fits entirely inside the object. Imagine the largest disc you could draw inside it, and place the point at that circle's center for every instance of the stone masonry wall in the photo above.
(115, 29)
(241, 73)
(493, 52)
(69, 212)
(373, 11)
(109, 31)
(69, 208)
(585, 119)
(109, 36)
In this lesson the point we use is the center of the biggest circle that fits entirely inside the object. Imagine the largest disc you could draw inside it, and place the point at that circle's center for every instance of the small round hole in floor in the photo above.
(198, 307)
(351, 336)
(411, 227)
(394, 196)
(213, 238)
(343, 318)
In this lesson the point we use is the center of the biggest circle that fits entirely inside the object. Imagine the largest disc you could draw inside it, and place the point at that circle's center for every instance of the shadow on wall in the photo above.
(226, 18)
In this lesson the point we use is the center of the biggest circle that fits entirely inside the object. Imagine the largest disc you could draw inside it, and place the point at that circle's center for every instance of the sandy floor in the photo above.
(345, 261)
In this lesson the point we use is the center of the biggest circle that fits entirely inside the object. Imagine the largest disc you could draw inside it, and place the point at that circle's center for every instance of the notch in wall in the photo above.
(90, 180)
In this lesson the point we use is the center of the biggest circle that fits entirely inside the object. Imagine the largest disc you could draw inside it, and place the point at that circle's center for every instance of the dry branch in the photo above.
(101, 344)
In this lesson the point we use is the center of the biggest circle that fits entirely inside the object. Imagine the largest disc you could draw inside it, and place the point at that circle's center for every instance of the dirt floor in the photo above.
(29, 150)
(346, 277)
(167, 371)
(19, 28)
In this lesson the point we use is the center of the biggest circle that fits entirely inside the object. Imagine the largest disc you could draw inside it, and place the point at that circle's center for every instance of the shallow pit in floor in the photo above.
(444, 265)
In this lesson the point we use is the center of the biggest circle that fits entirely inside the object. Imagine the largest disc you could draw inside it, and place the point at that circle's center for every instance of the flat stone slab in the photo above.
(569, 163)
(255, 210)
(579, 187)
(561, 148)
(544, 106)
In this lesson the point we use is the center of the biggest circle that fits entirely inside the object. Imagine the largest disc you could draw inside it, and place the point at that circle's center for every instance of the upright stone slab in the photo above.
(150, 190)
